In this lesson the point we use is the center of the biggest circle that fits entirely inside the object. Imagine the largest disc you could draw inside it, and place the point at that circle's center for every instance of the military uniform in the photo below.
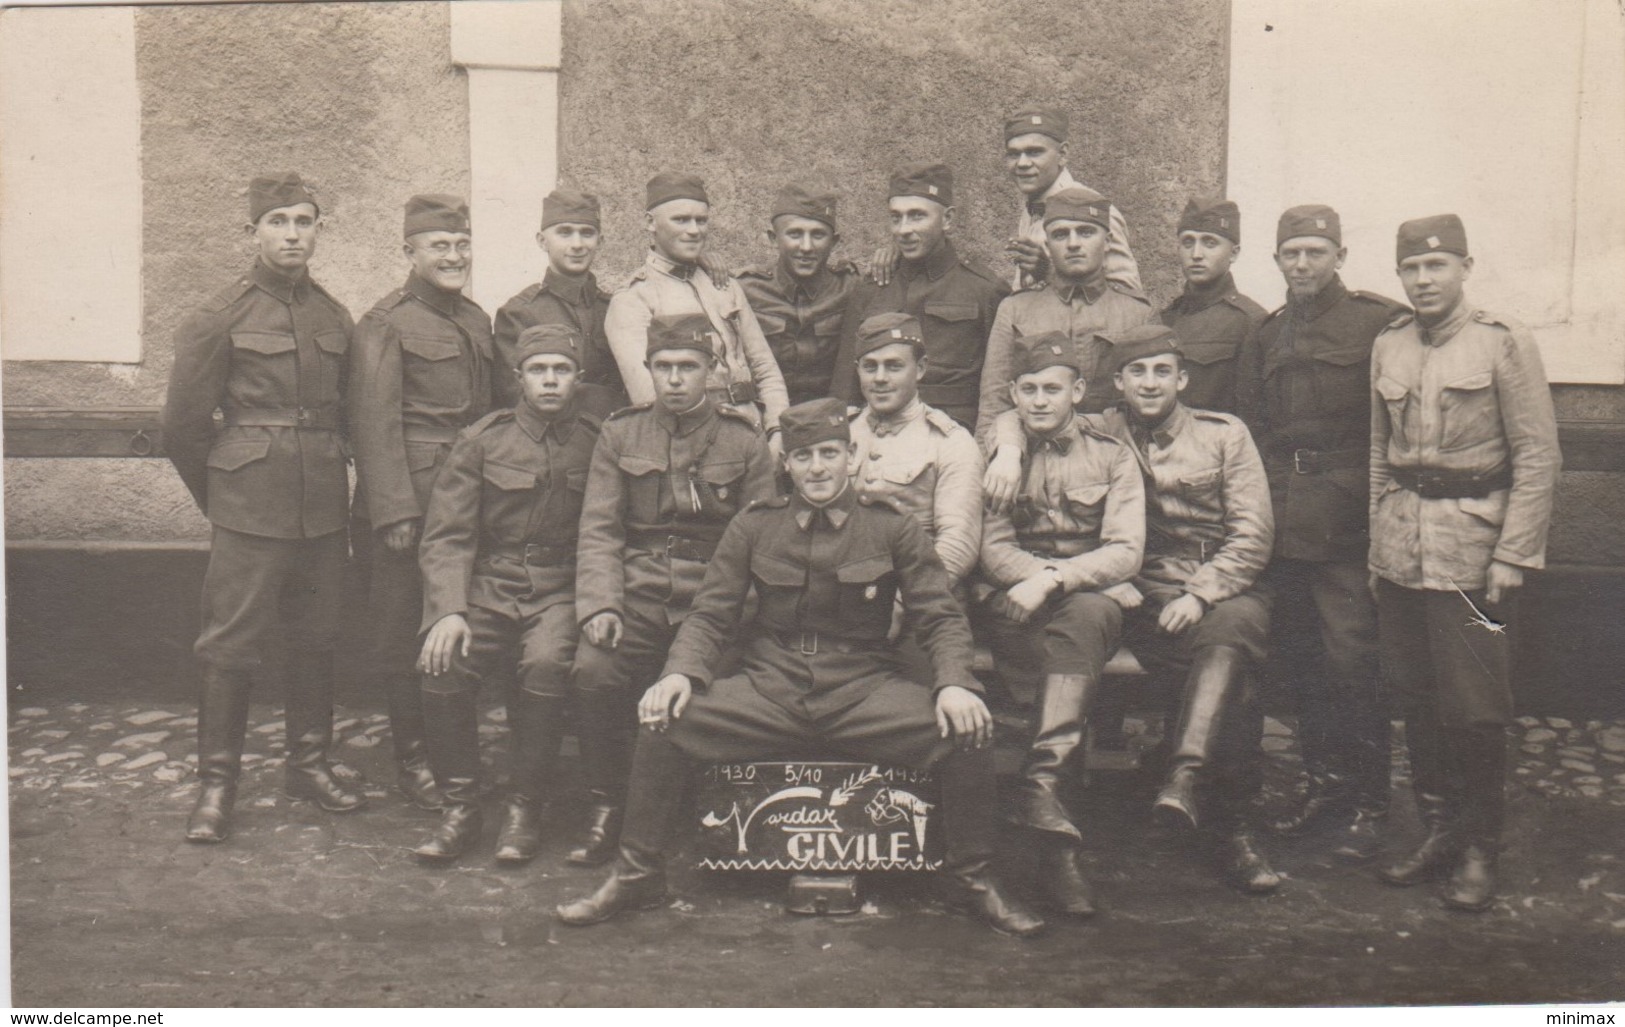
(1212, 323)
(802, 321)
(499, 548)
(818, 673)
(1302, 387)
(661, 489)
(268, 351)
(580, 304)
(1464, 463)
(421, 369)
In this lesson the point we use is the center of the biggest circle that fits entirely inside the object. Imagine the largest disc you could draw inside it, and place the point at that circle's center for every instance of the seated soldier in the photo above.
(498, 559)
(1209, 529)
(1077, 526)
(666, 478)
(817, 672)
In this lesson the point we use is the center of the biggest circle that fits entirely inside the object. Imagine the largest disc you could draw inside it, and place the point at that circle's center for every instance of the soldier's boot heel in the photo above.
(307, 774)
(603, 836)
(1212, 680)
(977, 892)
(632, 885)
(521, 836)
(460, 825)
(1068, 887)
(1472, 886)
(222, 722)
(538, 730)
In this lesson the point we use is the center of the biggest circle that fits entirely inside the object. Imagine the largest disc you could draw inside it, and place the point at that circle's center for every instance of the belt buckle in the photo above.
(1297, 461)
(671, 543)
(303, 416)
(806, 651)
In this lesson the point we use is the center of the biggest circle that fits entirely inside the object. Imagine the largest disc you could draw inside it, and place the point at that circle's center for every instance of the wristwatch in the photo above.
(1055, 572)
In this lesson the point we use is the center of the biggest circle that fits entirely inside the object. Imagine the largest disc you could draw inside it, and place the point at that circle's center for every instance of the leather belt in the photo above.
(734, 393)
(810, 643)
(1314, 461)
(676, 547)
(312, 418)
(1187, 549)
(1451, 484)
(1050, 545)
(429, 433)
(533, 554)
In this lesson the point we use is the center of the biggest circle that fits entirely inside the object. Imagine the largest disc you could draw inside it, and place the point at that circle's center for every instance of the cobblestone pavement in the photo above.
(111, 907)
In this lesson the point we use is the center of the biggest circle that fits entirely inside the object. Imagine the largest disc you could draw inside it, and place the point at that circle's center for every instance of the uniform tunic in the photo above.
(929, 466)
(575, 302)
(955, 300)
(1212, 323)
(1120, 264)
(745, 361)
(802, 321)
(1079, 311)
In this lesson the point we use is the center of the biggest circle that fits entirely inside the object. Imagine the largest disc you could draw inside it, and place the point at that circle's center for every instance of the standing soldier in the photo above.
(818, 670)
(673, 281)
(666, 479)
(1209, 529)
(268, 352)
(1210, 318)
(1076, 529)
(498, 559)
(568, 294)
(801, 298)
(954, 298)
(420, 371)
(911, 453)
(1302, 387)
(1464, 461)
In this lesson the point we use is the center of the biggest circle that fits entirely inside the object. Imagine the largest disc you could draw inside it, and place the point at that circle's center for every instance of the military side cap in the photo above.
(681, 331)
(548, 338)
(673, 185)
(932, 181)
(818, 420)
(268, 192)
(435, 212)
(884, 329)
(1217, 217)
(1043, 120)
(1046, 349)
(805, 201)
(1443, 232)
(567, 206)
(1078, 204)
(1310, 219)
(1141, 341)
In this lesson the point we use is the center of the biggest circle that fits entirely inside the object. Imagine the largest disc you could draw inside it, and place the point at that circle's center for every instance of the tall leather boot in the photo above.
(222, 720)
(1482, 754)
(1064, 879)
(538, 727)
(1437, 799)
(1063, 709)
(306, 774)
(970, 797)
(606, 730)
(660, 773)
(452, 738)
(404, 695)
(1208, 687)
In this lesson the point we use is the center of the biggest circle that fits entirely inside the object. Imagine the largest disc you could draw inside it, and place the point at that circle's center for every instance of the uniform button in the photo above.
(874, 456)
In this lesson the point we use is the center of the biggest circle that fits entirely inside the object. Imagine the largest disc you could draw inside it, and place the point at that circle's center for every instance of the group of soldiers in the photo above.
(723, 517)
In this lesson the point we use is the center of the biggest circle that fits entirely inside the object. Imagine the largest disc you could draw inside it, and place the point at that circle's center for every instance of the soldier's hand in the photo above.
(400, 536)
(963, 716)
(1181, 614)
(884, 262)
(449, 635)
(1028, 255)
(604, 629)
(714, 267)
(1124, 594)
(1027, 596)
(665, 701)
(1503, 578)
(775, 447)
(1002, 478)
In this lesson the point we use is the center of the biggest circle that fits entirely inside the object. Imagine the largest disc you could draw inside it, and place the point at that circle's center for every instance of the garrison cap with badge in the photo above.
(558, 339)
(1310, 219)
(1140, 342)
(1044, 350)
(673, 185)
(885, 329)
(1218, 217)
(1442, 233)
(1040, 120)
(805, 201)
(682, 331)
(435, 212)
(927, 179)
(272, 192)
(1078, 204)
(569, 206)
(819, 420)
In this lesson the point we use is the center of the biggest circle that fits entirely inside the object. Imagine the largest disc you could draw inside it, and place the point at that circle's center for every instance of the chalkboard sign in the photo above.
(818, 817)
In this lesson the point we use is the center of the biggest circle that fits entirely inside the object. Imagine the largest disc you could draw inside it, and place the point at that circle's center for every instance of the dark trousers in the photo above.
(538, 650)
(1071, 634)
(259, 590)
